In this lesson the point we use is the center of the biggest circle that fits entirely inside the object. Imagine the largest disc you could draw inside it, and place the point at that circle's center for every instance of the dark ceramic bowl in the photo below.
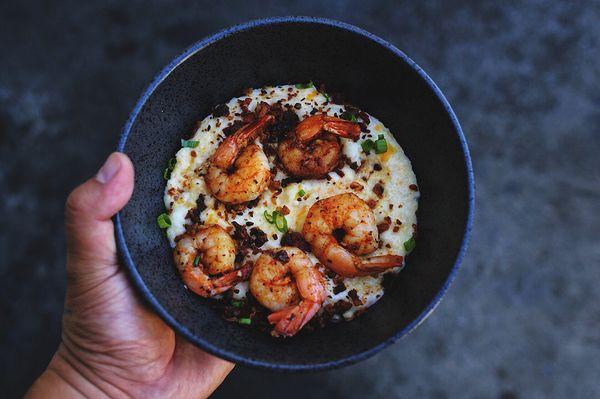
(372, 74)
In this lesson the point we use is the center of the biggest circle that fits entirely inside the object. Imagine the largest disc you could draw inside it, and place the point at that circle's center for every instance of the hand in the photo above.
(112, 345)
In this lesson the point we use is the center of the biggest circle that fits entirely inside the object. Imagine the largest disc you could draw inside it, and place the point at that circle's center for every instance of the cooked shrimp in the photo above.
(350, 215)
(239, 171)
(287, 283)
(313, 149)
(205, 257)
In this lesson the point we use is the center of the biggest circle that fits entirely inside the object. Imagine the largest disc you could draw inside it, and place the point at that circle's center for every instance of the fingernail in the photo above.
(109, 169)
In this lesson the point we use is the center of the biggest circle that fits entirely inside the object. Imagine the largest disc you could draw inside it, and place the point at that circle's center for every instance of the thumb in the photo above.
(91, 248)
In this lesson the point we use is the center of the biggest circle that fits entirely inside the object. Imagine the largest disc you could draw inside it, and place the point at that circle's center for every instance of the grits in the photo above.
(391, 170)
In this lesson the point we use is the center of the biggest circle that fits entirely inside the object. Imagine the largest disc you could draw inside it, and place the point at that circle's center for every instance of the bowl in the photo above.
(372, 74)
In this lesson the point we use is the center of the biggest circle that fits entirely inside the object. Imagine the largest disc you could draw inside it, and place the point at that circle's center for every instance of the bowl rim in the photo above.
(224, 353)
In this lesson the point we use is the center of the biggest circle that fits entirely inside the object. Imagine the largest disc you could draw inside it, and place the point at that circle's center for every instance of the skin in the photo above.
(112, 345)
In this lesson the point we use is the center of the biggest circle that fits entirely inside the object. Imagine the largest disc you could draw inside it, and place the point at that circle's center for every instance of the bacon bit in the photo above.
(354, 166)
(275, 185)
(339, 172)
(384, 225)
(289, 180)
(414, 226)
(221, 110)
(259, 236)
(378, 189)
(285, 210)
(232, 128)
(295, 239)
(372, 203)
(356, 186)
(396, 229)
(281, 256)
(218, 124)
(339, 287)
(414, 187)
(353, 295)
(262, 109)
(193, 154)
(391, 206)
(398, 222)
(377, 167)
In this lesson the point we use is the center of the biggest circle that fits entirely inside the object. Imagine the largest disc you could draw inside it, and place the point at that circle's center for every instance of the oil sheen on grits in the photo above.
(392, 169)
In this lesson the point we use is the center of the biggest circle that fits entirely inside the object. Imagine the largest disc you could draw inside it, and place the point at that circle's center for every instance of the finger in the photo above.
(91, 248)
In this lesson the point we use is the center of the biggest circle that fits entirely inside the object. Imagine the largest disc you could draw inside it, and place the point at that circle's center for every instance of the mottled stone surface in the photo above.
(522, 319)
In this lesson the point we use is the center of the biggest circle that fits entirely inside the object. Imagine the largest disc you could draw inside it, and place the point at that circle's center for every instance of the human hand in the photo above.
(112, 345)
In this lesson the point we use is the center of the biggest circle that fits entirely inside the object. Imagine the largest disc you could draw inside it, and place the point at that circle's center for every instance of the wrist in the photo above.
(66, 377)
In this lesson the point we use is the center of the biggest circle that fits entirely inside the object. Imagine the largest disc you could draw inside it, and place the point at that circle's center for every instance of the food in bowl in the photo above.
(289, 208)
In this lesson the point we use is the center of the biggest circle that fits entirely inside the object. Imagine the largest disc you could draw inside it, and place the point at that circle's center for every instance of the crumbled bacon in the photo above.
(353, 295)
(378, 189)
(356, 186)
(221, 110)
(295, 239)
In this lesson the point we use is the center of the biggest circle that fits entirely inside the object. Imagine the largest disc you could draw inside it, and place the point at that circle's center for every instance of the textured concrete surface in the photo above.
(522, 319)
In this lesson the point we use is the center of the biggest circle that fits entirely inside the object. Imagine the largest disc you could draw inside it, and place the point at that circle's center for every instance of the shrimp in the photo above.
(287, 283)
(350, 215)
(239, 171)
(313, 149)
(205, 258)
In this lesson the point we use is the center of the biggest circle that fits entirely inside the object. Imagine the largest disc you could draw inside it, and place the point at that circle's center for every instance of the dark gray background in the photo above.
(522, 319)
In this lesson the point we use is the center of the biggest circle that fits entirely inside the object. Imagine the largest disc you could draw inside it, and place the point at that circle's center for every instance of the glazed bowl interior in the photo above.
(372, 75)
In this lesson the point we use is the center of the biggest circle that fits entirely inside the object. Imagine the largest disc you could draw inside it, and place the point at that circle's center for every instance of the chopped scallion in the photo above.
(367, 145)
(327, 98)
(410, 244)
(301, 193)
(349, 116)
(171, 163)
(163, 221)
(381, 146)
(235, 303)
(196, 261)
(167, 174)
(280, 222)
(189, 143)
(245, 320)
(270, 217)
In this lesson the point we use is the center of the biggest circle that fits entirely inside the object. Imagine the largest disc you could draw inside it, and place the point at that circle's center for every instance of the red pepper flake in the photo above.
(193, 153)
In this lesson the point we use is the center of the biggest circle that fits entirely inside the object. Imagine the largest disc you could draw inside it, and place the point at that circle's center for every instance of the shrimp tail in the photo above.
(349, 130)
(290, 320)
(228, 280)
(378, 264)
(228, 150)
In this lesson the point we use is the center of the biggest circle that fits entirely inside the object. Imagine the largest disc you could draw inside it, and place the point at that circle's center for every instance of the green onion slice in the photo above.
(367, 145)
(270, 218)
(245, 320)
(304, 85)
(167, 174)
(327, 98)
(281, 222)
(349, 116)
(189, 143)
(163, 221)
(235, 303)
(410, 244)
(171, 163)
(301, 193)
(381, 146)
(196, 261)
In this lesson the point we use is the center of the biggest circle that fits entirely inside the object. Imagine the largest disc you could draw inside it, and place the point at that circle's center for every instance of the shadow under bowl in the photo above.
(371, 74)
